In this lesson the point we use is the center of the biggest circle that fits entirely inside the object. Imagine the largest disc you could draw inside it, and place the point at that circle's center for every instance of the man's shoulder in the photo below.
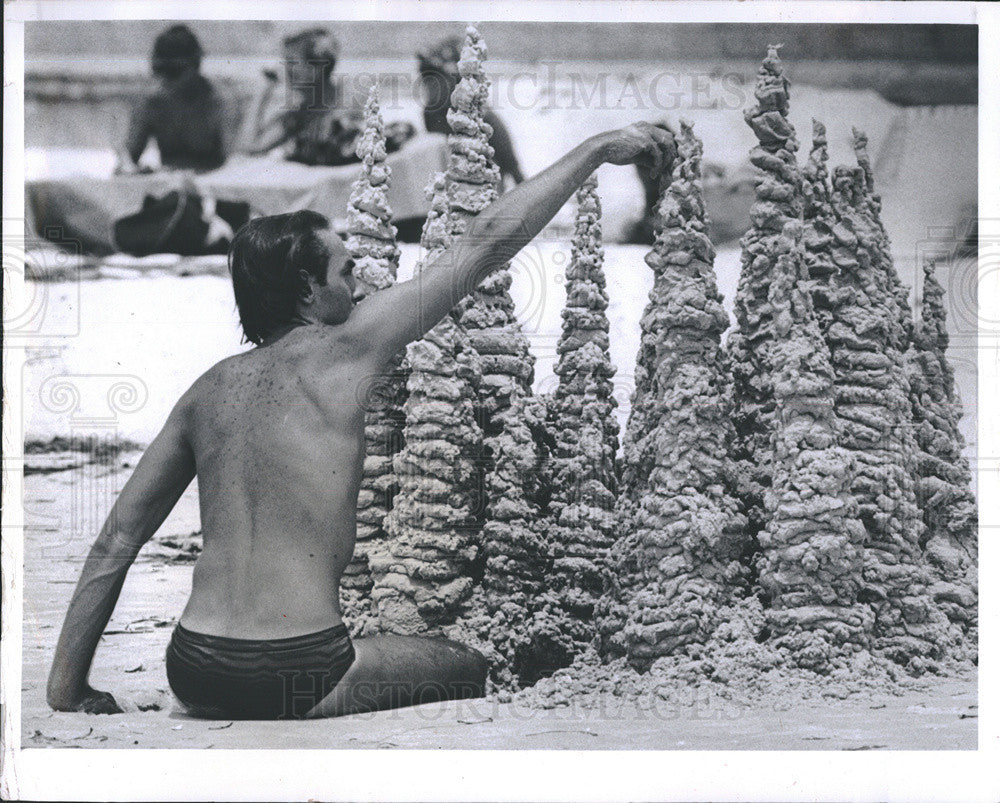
(296, 352)
(316, 338)
(215, 380)
(325, 358)
(287, 355)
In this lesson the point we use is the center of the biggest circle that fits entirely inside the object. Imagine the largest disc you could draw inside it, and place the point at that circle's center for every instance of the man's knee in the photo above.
(474, 670)
(480, 666)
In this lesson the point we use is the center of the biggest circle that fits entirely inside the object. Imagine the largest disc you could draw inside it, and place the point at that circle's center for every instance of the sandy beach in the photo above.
(936, 714)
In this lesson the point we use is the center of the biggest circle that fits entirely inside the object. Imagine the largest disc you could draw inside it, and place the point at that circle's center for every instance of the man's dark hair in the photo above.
(266, 260)
(175, 51)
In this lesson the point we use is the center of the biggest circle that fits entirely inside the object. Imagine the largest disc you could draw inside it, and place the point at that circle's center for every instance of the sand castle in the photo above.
(809, 559)
(503, 616)
(371, 236)
(944, 478)
(371, 242)
(585, 442)
(551, 488)
(679, 530)
(487, 314)
(819, 222)
(794, 498)
(424, 578)
(867, 341)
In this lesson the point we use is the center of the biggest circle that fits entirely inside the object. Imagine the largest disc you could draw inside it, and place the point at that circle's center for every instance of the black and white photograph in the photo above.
(582, 379)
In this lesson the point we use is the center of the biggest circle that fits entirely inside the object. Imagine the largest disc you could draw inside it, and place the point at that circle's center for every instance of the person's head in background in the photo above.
(176, 54)
(310, 59)
(438, 70)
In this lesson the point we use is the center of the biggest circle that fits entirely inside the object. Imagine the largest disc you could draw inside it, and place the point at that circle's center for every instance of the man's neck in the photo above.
(284, 329)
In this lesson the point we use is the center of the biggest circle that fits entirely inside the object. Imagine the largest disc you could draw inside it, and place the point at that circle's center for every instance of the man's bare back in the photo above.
(276, 438)
(279, 454)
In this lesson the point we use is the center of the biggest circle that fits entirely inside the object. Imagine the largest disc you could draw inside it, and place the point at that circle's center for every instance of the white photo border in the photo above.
(159, 774)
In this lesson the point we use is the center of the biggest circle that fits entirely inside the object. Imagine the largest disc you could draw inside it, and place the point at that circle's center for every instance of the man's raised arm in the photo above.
(386, 321)
(165, 470)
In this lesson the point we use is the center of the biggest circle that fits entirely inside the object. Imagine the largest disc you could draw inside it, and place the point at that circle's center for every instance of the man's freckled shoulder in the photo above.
(320, 356)
(327, 346)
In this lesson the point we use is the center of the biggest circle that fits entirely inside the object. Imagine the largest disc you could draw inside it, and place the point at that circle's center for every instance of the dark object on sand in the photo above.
(328, 137)
(179, 223)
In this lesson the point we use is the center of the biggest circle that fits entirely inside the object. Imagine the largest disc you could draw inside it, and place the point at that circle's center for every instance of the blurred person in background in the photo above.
(185, 116)
(438, 68)
(317, 121)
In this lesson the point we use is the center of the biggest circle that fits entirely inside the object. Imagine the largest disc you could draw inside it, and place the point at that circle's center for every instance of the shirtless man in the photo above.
(276, 437)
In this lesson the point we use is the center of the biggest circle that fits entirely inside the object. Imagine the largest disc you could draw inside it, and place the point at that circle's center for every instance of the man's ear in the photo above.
(307, 282)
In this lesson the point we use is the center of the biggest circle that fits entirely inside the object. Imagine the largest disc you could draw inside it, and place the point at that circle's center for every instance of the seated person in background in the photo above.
(438, 78)
(185, 115)
(316, 121)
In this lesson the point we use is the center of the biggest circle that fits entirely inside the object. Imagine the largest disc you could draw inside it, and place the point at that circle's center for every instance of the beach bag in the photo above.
(180, 222)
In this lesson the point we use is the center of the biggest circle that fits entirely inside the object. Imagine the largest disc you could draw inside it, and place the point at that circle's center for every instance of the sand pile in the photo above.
(512, 464)
(846, 591)
(371, 236)
(867, 340)
(580, 525)
(482, 464)
(487, 314)
(819, 222)
(502, 615)
(789, 510)
(551, 491)
(733, 669)
(809, 557)
(944, 478)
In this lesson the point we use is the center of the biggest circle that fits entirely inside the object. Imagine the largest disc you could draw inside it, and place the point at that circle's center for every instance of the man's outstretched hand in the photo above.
(644, 144)
(91, 701)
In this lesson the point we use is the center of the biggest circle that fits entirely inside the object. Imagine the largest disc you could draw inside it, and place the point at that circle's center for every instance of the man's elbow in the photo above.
(119, 543)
